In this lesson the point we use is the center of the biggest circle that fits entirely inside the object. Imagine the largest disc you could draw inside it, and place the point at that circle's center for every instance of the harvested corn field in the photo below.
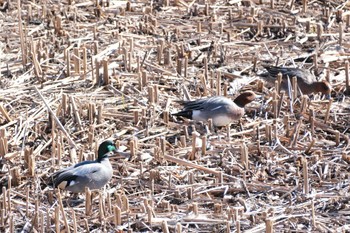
(75, 73)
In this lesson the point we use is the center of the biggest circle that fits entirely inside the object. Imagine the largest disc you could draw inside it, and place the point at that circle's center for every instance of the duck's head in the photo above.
(325, 88)
(245, 98)
(104, 148)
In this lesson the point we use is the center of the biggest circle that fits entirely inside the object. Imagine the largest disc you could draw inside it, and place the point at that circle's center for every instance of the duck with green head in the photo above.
(92, 174)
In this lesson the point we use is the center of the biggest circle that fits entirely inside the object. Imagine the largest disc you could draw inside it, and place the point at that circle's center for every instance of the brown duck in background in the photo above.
(306, 81)
(220, 109)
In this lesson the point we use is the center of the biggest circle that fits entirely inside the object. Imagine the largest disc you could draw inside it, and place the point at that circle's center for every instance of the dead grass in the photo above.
(114, 69)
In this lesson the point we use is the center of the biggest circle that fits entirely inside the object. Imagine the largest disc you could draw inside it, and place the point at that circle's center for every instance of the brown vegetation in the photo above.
(74, 73)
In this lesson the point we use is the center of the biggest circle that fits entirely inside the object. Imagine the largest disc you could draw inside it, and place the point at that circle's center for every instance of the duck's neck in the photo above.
(105, 162)
(240, 102)
(103, 159)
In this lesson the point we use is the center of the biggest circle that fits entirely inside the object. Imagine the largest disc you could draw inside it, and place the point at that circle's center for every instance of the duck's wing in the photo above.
(193, 104)
(275, 70)
(207, 104)
(189, 107)
(75, 174)
(57, 173)
(202, 109)
(288, 72)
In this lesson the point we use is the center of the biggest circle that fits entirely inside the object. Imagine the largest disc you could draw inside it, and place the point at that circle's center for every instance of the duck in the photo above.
(92, 174)
(306, 81)
(220, 109)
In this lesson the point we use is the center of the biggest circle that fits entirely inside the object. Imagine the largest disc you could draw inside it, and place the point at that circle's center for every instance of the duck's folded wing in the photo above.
(72, 175)
(207, 103)
(87, 169)
(193, 104)
(289, 72)
(201, 107)
(63, 179)
(60, 172)
(275, 70)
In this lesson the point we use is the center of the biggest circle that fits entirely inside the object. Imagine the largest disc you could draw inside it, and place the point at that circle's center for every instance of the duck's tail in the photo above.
(185, 113)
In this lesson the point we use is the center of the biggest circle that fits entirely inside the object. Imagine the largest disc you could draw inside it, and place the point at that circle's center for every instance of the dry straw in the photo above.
(73, 73)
